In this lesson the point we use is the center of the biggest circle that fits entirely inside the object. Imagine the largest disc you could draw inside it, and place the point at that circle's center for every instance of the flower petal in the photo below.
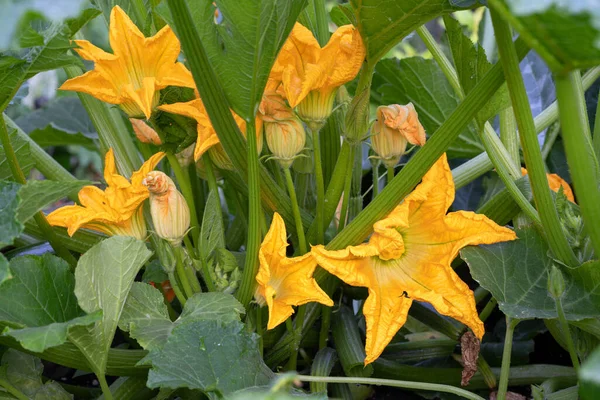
(350, 264)
(95, 84)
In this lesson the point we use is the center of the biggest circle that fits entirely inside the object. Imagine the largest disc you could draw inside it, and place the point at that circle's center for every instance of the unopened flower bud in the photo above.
(316, 108)
(144, 133)
(170, 212)
(556, 282)
(285, 140)
(396, 126)
(186, 156)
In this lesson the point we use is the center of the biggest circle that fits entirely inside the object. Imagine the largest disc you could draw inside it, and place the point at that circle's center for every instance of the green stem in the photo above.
(596, 137)
(390, 174)
(580, 154)
(203, 266)
(487, 310)
(509, 135)
(319, 215)
(186, 190)
(190, 272)
(325, 323)
(296, 210)
(471, 170)
(511, 324)
(175, 285)
(567, 334)
(104, 386)
(531, 150)
(246, 290)
(12, 390)
(375, 169)
(393, 383)
(182, 275)
(347, 194)
(39, 217)
(210, 176)
(297, 332)
(551, 137)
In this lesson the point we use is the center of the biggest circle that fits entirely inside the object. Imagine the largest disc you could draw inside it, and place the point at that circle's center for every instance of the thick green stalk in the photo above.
(509, 135)
(580, 154)
(106, 393)
(393, 383)
(390, 174)
(217, 107)
(375, 170)
(175, 285)
(511, 324)
(346, 199)
(296, 209)
(246, 291)
(421, 162)
(39, 217)
(6, 385)
(297, 337)
(487, 310)
(567, 334)
(531, 150)
(471, 170)
(186, 190)
(182, 275)
(596, 137)
(110, 127)
(319, 215)
(322, 22)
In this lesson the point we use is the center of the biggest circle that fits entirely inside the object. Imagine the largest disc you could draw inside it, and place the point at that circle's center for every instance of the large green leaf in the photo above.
(5, 273)
(137, 10)
(103, 278)
(516, 273)
(21, 149)
(383, 23)
(35, 195)
(24, 373)
(471, 65)
(10, 226)
(215, 357)
(421, 82)
(589, 377)
(242, 47)
(64, 122)
(145, 315)
(39, 300)
(45, 47)
(565, 33)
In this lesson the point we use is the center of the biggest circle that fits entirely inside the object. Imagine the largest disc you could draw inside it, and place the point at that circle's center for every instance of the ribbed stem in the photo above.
(322, 365)
(347, 194)
(511, 324)
(296, 210)
(319, 215)
(375, 170)
(531, 150)
(390, 174)
(175, 285)
(567, 334)
(596, 137)
(509, 135)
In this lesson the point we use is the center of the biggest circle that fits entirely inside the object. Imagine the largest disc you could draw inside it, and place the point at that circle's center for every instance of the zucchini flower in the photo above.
(116, 210)
(283, 130)
(556, 182)
(136, 70)
(170, 212)
(310, 75)
(395, 126)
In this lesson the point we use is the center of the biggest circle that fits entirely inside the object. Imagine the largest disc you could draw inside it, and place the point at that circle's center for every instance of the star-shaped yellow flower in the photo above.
(408, 258)
(116, 210)
(556, 182)
(138, 68)
(285, 282)
(207, 136)
(310, 74)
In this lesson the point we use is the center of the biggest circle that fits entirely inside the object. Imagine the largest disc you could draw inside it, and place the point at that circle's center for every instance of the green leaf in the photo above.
(137, 10)
(516, 273)
(39, 299)
(64, 122)
(35, 195)
(422, 82)
(24, 373)
(243, 46)
(103, 278)
(471, 65)
(145, 315)
(21, 149)
(5, 273)
(564, 33)
(211, 233)
(215, 357)
(384, 23)
(10, 227)
(589, 377)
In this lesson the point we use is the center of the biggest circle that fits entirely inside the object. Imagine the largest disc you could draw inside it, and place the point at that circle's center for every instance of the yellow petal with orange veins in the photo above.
(285, 282)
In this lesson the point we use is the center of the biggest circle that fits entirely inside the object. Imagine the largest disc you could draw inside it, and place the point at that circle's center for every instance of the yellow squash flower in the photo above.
(116, 210)
(408, 258)
(310, 74)
(207, 136)
(138, 68)
(556, 182)
(285, 282)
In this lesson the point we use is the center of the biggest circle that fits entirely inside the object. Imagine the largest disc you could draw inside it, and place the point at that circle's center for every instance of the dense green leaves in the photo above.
(4, 269)
(35, 195)
(10, 227)
(213, 356)
(21, 149)
(564, 33)
(39, 300)
(589, 377)
(516, 273)
(422, 82)
(23, 374)
(242, 46)
(383, 23)
(103, 278)
(211, 233)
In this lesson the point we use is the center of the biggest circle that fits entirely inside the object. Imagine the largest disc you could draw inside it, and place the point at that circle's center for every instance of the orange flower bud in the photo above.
(285, 140)
(170, 212)
(273, 108)
(144, 133)
(396, 126)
